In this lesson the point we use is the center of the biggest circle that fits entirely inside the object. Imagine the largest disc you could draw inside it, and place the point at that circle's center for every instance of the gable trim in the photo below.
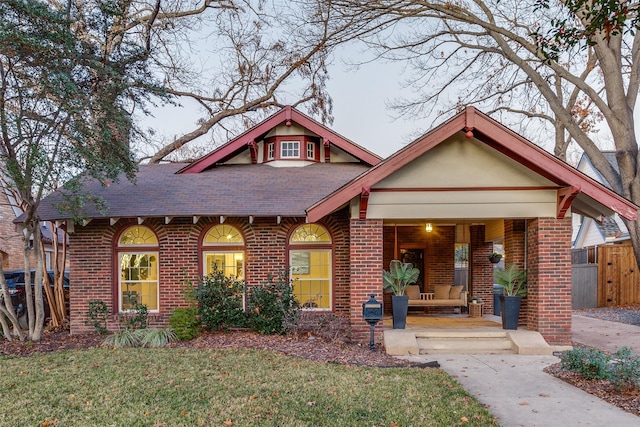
(286, 115)
(496, 136)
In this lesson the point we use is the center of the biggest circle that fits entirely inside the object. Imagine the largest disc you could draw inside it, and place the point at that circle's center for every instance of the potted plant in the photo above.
(396, 280)
(514, 286)
(476, 300)
(495, 257)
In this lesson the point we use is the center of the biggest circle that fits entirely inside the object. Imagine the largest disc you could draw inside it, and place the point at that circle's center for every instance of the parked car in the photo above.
(16, 284)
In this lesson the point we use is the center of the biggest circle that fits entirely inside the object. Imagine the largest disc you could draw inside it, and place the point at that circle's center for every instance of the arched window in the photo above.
(138, 260)
(223, 249)
(310, 258)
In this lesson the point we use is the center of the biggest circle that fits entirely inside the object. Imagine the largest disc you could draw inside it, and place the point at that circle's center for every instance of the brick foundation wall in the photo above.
(366, 273)
(94, 271)
(549, 279)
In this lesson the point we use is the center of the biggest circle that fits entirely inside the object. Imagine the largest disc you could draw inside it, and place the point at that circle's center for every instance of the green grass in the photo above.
(188, 387)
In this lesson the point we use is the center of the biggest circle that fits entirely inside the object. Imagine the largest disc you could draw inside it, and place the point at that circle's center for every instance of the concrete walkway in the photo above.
(518, 392)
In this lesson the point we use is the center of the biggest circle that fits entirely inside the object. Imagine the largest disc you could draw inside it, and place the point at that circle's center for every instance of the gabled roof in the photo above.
(285, 115)
(490, 132)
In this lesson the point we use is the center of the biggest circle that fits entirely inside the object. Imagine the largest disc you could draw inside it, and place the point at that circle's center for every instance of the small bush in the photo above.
(138, 318)
(272, 307)
(220, 301)
(124, 338)
(590, 362)
(97, 316)
(155, 337)
(625, 369)
(140, 338)
(185, 323)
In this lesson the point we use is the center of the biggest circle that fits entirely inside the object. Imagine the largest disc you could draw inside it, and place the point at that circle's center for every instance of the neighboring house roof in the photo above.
(593, 233)
(286, 115)
(575, 189)
(230, 190)
(585, 165)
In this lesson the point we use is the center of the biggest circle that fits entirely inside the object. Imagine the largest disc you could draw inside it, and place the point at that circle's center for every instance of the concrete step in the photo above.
(465, 345)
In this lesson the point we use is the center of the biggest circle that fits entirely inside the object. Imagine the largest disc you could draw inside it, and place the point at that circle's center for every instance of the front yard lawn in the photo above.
(199, 387)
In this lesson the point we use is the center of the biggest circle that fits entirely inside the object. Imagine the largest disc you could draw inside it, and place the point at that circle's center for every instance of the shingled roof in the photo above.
(229, 190)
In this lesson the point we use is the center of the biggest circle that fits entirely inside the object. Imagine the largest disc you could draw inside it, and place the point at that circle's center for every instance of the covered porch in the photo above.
(476, 183)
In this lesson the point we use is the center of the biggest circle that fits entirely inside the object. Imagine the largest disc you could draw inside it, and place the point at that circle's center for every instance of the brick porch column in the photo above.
(549, 279)
(480, 268)
(366, 273)
(514, 247)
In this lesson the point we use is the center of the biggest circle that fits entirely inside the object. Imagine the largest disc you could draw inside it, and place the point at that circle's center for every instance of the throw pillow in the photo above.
(441, 291)
(455, 292)
(413, 292)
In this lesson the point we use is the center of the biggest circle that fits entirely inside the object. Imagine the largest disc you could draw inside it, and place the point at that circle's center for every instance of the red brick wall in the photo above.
(549, 279)
(11, 252)
(93, 269)
(480, 268)
(366, 273)
(514, 246)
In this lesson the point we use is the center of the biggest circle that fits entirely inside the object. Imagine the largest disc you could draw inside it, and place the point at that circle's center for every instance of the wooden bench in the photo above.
(426, 300)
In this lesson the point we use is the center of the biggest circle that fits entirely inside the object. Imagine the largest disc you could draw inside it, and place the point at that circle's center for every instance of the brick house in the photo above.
(289, 192)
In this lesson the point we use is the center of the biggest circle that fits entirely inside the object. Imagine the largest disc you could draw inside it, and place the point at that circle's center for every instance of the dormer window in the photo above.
(311, 150)
(303, 148)
(290, 149)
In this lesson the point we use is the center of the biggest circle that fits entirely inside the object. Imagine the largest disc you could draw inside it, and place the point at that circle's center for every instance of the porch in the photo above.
(460, 334)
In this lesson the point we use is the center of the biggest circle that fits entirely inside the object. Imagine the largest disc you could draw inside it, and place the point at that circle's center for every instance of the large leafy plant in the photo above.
(512, 279)
(399, 276)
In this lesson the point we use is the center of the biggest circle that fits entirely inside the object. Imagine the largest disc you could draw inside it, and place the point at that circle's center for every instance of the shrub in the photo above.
(220, 301)
(590, 362)
(140, 338)
(124, 338)
(138, 318)
(272, 307)
(625, 368)
(185, 323)
(97, 316)
(155, 337)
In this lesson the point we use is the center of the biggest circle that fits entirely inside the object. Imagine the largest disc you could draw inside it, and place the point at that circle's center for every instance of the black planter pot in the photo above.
(510, 311)
(400, 307)
(495, 259)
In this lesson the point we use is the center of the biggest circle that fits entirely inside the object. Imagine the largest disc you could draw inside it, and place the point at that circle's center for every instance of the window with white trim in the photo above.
(271, 150)
(138, 283)
(310, 260)
(290, 149)
(311, 150)
(223, 250)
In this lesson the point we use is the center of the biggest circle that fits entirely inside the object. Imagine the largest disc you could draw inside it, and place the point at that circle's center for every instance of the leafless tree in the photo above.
(572, 63)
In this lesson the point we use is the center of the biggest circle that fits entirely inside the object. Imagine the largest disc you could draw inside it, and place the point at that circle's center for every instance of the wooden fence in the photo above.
(584, 286)
(618, 276)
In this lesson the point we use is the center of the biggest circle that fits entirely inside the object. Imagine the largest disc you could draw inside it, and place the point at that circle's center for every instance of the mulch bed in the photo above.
(308, 347)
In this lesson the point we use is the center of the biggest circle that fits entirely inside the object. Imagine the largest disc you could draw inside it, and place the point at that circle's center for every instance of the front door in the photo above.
(415, 257)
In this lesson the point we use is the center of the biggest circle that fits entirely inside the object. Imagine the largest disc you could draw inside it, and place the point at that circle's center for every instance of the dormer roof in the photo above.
(288, 116)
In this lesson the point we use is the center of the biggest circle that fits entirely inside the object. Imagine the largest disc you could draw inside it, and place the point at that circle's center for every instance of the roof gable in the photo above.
(473, 124)
(288, 116)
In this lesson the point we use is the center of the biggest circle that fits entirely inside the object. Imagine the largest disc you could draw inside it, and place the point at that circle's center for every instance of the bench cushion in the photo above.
(413, 292)
(441, 291)
(455, 292)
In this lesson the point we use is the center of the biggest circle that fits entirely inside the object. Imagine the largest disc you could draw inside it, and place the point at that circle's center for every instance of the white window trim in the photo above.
(282, 149)
(271, 151)
(208, 252)
(329, 278)
(311, 150)
(120, 254)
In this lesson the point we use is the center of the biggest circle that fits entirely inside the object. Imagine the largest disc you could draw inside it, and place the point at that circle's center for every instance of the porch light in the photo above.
(429, 227)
